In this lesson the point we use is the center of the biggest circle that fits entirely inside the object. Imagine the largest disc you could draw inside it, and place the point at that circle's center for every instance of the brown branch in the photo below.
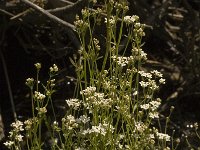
(158, 13)
(46, 13)
(20, 14)
(6, 12)
(69, 8)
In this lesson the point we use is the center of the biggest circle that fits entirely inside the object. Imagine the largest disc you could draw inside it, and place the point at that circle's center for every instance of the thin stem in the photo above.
(9, 86)
(108, 35)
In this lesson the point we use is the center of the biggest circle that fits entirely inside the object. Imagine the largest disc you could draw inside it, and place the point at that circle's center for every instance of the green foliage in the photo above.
(114, 105)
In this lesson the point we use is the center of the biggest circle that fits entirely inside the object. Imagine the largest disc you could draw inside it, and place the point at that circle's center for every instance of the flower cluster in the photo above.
(15, 135)
(55, 126)
(41, 110)
(38, 66)
(157, 73)
(112, 20)
(131, 19)
(101, 129)
(85, 13)
(162, 136)
(138, 54)
(93, 99)
(30, 123)
(152, 106)
(51, 83)
(139, 29)
(74, 103)
(121, 5)
(96, 44)
(140, 127)
(17, 126)
(29, 82)
(69, 122)
(122, 60)
(148, 81)
(39, 96)
(88, 91)
(53, 69)
(144, 74)
(80, 24)
(83, 119)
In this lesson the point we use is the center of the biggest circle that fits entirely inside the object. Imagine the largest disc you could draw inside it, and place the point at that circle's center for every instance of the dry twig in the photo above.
(46, 13)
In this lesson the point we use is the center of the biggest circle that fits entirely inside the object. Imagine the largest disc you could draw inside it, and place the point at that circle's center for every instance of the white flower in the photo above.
(145, 106)
(154, 115)
(28, 124)
(9, 144)
(151, 136)
(55, 123)
(88, 91)
(51, 82)
(127, 147)
(135, 93)
(143, 55)
(162, 81)
(120, 145)
(80, 24)
(71, 119)
(136, 50)
(196, 126)
(69, 122)
(19, 138)
(98, 129)
(152, 85)
(84, 132)
(137, 25)
(84, 119)
(42, 110)
(17, 126)
(74, 103)
(144, 74)
(157, 73)
(140, 127)
(38, 66)
(94, 1)
(54, 68)
(29, 82)
(104, 102)
(85, 12)
(120, 60)
(121, 136)
(144, 84)
(55, 126)
(108, 127)
(162, 136)
(154, 104)
(130, 19)
(39, 96)
(112, 20)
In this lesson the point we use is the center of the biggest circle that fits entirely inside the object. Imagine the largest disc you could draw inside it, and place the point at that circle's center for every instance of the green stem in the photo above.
(108, 35)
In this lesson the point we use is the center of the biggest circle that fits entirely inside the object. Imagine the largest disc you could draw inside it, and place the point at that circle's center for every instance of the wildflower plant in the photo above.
(30, 131)
(114, 104)
(192, 138)
(119, 96)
